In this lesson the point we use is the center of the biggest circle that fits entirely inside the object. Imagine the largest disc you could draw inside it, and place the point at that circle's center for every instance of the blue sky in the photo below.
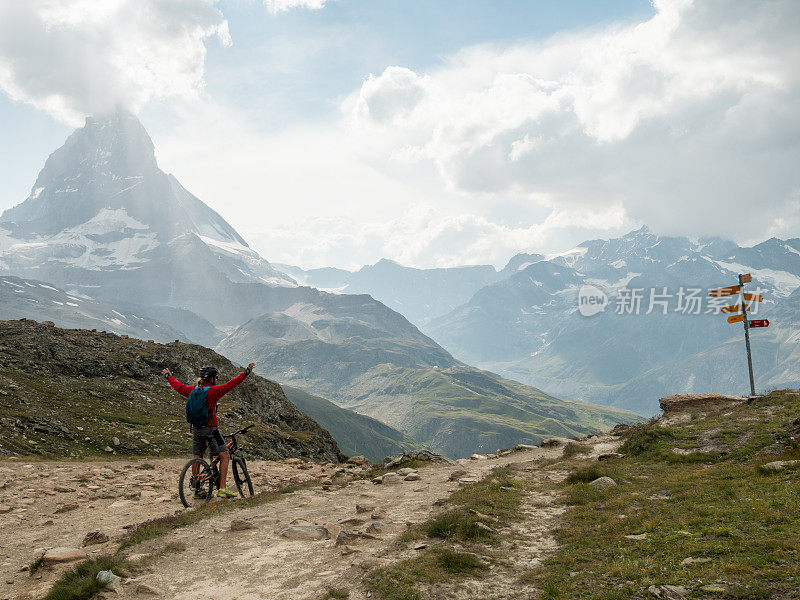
(430, 132)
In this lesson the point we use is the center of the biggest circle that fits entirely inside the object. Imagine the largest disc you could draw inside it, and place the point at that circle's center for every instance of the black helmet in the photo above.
(208, 373)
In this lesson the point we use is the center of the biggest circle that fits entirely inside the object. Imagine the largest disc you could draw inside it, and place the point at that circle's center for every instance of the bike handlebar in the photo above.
(242, 430)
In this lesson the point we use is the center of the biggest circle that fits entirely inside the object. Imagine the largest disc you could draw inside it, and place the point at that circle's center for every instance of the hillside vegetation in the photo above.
(356, 434)
(77, 393)
(702, 503)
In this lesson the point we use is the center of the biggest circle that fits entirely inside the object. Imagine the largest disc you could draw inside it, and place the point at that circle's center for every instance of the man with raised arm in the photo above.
(208, 435)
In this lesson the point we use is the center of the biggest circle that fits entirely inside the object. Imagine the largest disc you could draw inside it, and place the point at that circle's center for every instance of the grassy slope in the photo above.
(69, 393)
(411, 383)
(715, 505)
(462, 410)
(356, 434)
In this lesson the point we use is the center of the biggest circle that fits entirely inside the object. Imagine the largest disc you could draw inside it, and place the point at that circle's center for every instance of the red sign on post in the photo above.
(759, 323)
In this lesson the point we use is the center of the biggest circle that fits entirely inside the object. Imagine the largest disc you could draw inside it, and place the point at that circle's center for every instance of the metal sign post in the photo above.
(740, 314)
(746, 322)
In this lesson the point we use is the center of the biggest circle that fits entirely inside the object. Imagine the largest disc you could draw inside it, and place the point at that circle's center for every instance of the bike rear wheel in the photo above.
(242, 478)
(195, 489)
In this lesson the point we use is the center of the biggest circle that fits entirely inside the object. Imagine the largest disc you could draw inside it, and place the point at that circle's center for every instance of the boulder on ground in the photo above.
(779, 465)
(60, 555)
(391, 479)
(603, 482)
(668, 592)
(680, 402)
(406, 471)
(457, 474)
(305, 532)
(358, 460)
(95, 537)
(241, 525)
(412, 477)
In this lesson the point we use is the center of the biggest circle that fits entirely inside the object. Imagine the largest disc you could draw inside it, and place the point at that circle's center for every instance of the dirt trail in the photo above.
(260, 563)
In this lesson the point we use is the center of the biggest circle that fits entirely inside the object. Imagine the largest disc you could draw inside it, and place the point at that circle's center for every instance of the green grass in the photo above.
(80, 582)
(402, 580)
(337, 593)
(473, 520)
(571, 449)
(716, 505)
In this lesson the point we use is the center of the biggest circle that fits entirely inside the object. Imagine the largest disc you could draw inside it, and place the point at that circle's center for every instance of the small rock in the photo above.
(377, 480)
(610, 456)
(347, 538)
(63, 489)
(241, 525)
(63, 555)
(307, 532)
(364, 508)
(778, 465)
(66, 508)
(108, 449)
(358, 460)
(144, 441)
(714, 588)
(4, 508)
(668, 592)
(694, 561)
(378, 527)
(603, 482)
(109, 579)
(457, 474)
(412, 477)
(467, 481)
(636, 536)
(95, 537)
(115, 441)
(391, 479)
(405, 471)
(352, 521)
(147, 590)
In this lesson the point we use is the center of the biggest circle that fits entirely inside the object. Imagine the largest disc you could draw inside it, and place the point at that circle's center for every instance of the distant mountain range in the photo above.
(107, 240)
(524, 323)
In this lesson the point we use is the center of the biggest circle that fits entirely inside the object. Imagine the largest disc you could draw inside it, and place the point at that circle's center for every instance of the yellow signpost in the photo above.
(742, 309)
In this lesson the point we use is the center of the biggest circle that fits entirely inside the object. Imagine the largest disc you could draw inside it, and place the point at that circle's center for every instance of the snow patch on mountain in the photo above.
(784, 283)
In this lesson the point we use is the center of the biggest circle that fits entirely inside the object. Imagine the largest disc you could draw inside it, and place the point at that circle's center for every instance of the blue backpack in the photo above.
(197, 407)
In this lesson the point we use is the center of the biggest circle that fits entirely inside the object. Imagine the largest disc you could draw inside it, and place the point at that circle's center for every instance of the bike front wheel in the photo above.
(242, 478)
(196, 483)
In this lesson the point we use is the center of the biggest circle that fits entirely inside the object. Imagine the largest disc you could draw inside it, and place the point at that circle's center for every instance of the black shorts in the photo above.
(207, 437)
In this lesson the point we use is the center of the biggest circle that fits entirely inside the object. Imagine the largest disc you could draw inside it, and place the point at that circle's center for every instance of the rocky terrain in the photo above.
(696, 504)
(75, 393)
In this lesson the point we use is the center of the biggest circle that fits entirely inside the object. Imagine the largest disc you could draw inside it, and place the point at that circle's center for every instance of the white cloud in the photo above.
(279, 6)
(71, 58)
(687, 121)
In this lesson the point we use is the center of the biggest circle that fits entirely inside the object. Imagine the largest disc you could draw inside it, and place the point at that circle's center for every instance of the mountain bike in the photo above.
(198, 488)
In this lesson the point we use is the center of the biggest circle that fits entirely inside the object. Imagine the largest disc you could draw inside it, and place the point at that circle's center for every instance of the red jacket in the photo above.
(214, 393)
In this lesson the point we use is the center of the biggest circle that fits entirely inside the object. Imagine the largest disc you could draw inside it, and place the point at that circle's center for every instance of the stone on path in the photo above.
(4, 508)
(467, 481)
(305, 532)
(364, 508)
(241, 525)
(406, 471)
(95, 537)
(412, 477)
(60, 555)
(109, 579)
(603, 482)
(391, 479)
(66, 508)
(458, 474)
